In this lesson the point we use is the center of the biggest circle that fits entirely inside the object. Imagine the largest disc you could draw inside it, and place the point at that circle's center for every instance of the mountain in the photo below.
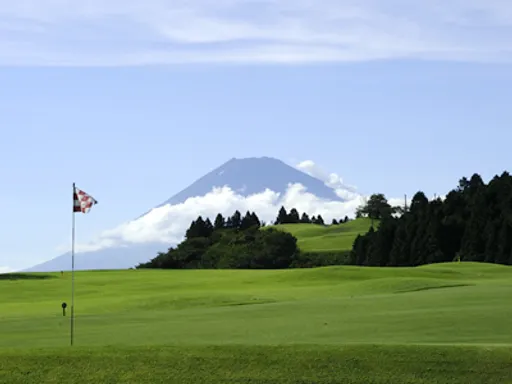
(252, 175)
(245, 176)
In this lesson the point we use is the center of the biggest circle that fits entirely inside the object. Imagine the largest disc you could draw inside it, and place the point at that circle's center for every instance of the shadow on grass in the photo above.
(24, 276)
(444, 286)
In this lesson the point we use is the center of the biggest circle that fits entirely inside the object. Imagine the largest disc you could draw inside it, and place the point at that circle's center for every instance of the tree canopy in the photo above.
(376, 208)
(473, 223)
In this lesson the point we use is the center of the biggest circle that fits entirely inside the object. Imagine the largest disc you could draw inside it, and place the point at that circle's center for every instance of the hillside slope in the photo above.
(318, 238)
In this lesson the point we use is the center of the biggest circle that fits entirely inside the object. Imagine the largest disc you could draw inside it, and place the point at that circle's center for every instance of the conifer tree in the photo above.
(219, 222)
(282, 216)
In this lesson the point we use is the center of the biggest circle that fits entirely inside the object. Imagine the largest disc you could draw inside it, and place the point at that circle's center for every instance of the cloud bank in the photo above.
(168, 223)
(152, 32)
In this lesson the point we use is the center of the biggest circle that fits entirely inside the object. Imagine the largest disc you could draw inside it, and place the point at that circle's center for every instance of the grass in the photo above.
(317, 238)
(446, 323)
(261, 365)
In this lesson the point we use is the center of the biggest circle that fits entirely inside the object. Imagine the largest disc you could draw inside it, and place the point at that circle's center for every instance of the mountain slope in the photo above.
(108, 258)
(244, 176)
(253, 175)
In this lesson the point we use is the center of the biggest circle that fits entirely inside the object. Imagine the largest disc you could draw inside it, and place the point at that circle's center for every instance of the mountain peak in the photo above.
(246, 176)
(251, 175)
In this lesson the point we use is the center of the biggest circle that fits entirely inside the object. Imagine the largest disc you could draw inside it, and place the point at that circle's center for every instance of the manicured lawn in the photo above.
(260, 365)
(447, 323)
(318, 238)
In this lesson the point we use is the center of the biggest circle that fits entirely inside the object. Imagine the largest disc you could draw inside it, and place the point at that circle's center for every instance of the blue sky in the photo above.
(134, 102)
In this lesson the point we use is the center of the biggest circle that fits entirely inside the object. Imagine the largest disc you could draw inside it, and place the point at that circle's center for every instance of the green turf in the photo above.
(260, 365)
(447, 323)
(318, 238)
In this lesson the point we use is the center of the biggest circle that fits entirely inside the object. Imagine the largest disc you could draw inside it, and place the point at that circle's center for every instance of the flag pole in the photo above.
(73, 269)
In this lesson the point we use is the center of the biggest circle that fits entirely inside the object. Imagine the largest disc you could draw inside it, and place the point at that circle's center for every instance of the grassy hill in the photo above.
(447, 323)
(317, 238)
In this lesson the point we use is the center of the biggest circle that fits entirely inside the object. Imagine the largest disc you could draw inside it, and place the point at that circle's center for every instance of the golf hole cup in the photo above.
(64, 305)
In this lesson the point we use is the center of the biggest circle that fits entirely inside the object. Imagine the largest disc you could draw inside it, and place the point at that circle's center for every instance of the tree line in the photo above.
(473, 223)
(236, 241)
(294, 217)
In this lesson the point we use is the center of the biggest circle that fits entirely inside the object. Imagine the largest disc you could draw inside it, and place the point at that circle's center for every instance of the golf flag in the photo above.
(82, 202)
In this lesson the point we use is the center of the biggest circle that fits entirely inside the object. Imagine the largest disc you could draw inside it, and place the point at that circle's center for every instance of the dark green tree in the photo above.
(208, 227)
(504, 242)
(305, 218)
(250, 220)
(376, 208)
(199, 228)
(473, 223)
(282, 216)
(236, 219)
(219, 222)
(293, 216)
(256, 220)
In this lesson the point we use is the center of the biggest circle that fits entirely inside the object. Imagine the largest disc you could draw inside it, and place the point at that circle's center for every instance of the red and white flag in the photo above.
(83, 202)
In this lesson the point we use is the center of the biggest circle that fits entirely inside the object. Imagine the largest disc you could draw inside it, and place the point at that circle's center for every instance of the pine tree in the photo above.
(504, 242)
(365, 247)
(305, 218)
(492, 231)
(334, 222)
(250, 220)
(236, 219)
(198, 228)
(320, 220)
(255, 220)
(293, 216)
(398, 255)
(208, 227)
(282, 216)
(473, 241)
(358, 253)
(219, 222)
(191, 231)
(382, 242)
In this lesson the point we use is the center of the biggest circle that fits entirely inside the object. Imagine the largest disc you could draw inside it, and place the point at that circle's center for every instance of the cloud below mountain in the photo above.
(130, 32)
(168, 223)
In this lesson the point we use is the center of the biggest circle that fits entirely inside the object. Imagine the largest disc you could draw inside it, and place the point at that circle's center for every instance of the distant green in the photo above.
(331, 238)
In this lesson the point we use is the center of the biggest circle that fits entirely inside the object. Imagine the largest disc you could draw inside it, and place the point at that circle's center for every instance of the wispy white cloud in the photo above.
(130, 32)
(332, 180)
(5, 270)
(167, 224)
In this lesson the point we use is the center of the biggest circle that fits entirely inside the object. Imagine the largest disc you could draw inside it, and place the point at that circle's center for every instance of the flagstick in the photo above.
(73, 270)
